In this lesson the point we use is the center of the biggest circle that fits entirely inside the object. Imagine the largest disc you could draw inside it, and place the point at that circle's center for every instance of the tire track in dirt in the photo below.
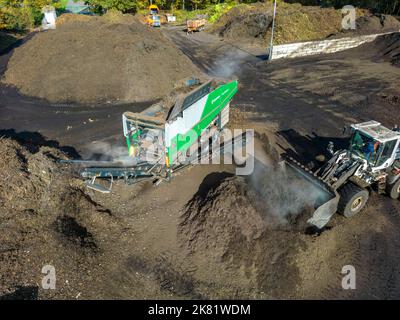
(369, 242)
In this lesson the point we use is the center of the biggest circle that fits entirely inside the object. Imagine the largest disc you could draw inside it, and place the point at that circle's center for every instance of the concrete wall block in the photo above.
(300, 49)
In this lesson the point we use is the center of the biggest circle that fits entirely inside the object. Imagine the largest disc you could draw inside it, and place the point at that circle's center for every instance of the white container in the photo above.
(171, 18)
(49, 19)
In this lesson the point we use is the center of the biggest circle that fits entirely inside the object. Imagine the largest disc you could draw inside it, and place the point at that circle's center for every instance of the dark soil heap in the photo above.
(215, 219)
(46, 218)
(97, 59)
(239, 24)
(223, 227)
(389, 48)
(385, 48)
(245, 208)
(377, 24)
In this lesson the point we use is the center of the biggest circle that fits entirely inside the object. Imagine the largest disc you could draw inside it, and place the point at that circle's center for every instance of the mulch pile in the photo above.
(113, 58)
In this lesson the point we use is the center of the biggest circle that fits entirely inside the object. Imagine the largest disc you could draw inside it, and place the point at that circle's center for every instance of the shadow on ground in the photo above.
(306, 147)
(22, 293)
(34, 140)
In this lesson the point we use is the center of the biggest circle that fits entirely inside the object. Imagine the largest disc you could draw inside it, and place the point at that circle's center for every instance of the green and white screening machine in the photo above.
(159, 138)
(181, 127)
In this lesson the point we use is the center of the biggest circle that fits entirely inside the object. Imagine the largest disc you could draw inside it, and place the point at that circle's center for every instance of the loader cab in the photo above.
(397, 155)
(375, 144)
(153, 9)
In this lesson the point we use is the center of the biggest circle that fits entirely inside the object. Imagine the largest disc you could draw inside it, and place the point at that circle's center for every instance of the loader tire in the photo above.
(352, 200)
(393, 190)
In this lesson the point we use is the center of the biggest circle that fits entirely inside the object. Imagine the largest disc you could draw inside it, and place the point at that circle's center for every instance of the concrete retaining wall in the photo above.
(309, 48)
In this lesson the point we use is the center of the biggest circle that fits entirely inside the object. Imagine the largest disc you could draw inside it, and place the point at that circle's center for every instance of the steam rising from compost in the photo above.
(283, 194)
(228, 65)
(103, 151)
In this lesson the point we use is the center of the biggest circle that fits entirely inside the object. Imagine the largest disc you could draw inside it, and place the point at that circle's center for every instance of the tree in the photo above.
(125, 6)
(383, 6)
(19, 15)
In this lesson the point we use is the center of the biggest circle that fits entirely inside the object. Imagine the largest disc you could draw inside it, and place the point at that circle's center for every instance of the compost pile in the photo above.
(252, 23)
(223, 227)
(113, 58)
(378, 23)
(46, 218)
(294, 22)
(238, 207)
(385, 48)
(388, 48)
(238, 23)
(25, 173)
(224, 214)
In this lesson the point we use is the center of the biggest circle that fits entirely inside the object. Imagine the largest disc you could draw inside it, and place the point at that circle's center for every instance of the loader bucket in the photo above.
(326, 198)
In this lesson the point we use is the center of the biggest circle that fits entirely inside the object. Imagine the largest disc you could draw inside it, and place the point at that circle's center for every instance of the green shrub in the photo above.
(216, 11)
(212, 11)
(20, 15)
(125, 6)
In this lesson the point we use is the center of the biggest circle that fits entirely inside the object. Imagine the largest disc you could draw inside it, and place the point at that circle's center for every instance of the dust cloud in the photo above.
(104, 151)
(229, 64)
(284, 196)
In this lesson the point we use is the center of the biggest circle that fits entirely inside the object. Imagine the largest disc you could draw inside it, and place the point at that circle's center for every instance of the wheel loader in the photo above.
(153, 18)
(345, 181)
